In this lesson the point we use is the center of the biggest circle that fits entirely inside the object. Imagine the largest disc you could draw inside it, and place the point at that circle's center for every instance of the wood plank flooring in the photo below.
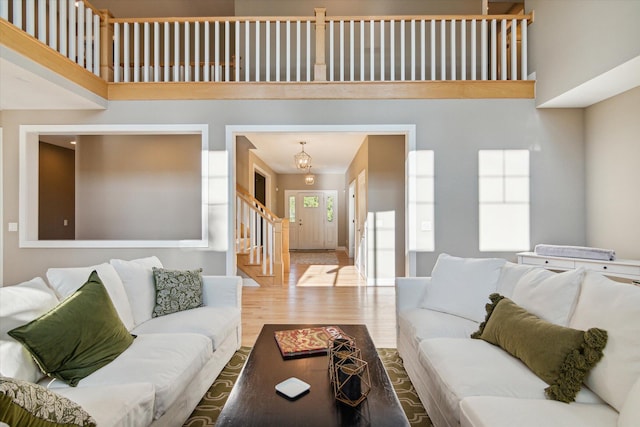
(327, 294)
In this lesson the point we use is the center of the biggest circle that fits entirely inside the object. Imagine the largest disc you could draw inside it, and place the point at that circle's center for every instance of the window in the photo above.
(503, 181)
(292, 208)
(330, 212)
(421, 200)
(311, 201)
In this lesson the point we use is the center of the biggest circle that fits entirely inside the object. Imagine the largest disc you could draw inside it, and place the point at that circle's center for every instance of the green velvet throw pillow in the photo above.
(562, 357)
(176, 290)
(77, 337)
(27, 404)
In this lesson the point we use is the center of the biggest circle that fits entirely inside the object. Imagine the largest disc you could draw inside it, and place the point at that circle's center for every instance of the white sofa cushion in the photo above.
(421, 324)
(168, 361)
(509, 276)
(19, 305)
(137, 278)
(216, 323)
(461, 286)
(489, 411)
(65, 281)
(630, 413)
(550, 296)
(122, 405)
(614, 307)
(461, 367)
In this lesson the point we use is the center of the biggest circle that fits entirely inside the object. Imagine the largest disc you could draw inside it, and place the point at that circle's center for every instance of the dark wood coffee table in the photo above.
(255, 402)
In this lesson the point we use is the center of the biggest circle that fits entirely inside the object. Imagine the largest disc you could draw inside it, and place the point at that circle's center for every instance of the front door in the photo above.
(313, 219)
(310, 220)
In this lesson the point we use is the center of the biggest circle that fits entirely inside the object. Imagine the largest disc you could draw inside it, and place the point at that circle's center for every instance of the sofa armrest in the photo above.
(222, 291)
(410, 291)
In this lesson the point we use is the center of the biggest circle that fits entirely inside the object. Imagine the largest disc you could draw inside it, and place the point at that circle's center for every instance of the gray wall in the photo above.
(612, 174)
(573, 41)
(454, 129)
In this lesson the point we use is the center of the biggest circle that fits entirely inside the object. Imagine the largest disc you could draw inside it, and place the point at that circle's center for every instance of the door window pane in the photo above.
(311, 201)
(330, 212)
(292, 208)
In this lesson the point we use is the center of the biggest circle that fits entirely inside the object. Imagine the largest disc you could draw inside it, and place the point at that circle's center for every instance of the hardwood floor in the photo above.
(326, 294)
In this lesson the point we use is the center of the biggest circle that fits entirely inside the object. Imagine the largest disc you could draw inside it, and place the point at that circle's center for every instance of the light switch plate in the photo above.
(12, 226)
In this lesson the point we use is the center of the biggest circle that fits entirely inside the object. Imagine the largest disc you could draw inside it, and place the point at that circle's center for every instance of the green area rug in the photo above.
(207, 411)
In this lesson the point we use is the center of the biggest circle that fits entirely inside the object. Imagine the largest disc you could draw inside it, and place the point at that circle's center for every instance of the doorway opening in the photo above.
(379, 222)
(260, 187)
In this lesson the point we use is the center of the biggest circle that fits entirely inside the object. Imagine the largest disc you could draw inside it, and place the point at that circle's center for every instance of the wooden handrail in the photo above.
(367, 18)
(244, 192)
(234, 19)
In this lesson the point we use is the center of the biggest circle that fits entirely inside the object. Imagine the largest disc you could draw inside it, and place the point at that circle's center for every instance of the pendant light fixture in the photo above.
(309, 178)
(302, 159)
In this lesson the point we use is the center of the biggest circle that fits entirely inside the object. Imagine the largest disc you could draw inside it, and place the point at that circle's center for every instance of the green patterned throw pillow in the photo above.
(26, 404)
(177, 290)
(560, 356)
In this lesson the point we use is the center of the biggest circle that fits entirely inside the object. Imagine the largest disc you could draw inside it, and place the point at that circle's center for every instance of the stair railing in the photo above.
(262, 235)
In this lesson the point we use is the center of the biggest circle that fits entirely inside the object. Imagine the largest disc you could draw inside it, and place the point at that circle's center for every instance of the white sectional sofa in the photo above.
(173, 359)
(470, 382)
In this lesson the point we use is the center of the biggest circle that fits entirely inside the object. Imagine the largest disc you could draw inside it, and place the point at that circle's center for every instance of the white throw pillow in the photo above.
(19, 305)
(509, 276)
(137, 277)
(614, 307)
(65, 281)
(461, 286)
(550, 296)
(630, 413)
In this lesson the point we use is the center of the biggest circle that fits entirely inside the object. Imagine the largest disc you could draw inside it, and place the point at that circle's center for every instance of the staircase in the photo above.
(262, 241)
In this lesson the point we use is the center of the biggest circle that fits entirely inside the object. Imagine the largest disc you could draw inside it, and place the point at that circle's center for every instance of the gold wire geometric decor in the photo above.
(349, 374)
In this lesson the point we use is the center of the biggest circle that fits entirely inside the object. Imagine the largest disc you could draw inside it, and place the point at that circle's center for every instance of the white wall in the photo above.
(573, 41)
(612, 132)
(454, 129)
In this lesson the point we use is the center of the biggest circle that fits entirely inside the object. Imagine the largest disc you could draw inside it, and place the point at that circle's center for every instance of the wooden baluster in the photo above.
(331, 52)
(473, 50)
(503, 49)
(167, 49)
(308, 55)
(257, 50)
(146, 66)
(382, 51)
(267, 51)
(463, 50)
(514, 50)
(392, 48)
(453, 50)
(80, 35)
(196, 53)
(351, 51)
(136, 52)
(523, 50)
(156, 51)
(423, 50)
(42, 21)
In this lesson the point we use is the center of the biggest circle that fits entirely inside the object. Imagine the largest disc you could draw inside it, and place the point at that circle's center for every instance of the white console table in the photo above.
(622, 268)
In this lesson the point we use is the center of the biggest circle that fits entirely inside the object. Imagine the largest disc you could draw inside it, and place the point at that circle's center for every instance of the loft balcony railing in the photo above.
(278, 49)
